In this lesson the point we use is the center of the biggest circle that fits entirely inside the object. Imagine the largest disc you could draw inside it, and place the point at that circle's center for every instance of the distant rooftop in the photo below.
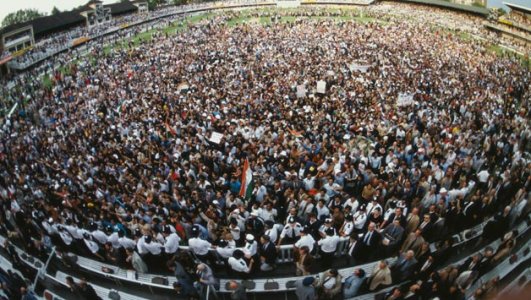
(517, 7)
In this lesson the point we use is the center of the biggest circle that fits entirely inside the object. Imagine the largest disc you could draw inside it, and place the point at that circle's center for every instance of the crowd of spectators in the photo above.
(121, 160)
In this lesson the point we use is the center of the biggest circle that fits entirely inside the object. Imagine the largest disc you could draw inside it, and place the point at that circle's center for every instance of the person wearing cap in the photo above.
(98, 235)
(238, 264)
(172, 240)
(305, 289)
(271, 230)
(251, 247)
(291, 232)
(305, 240)
(360, 219)
(92, 246)
(347, 227)
(125, 242)
(328, 224)
(328, 246)
(198, 246)
(224, 249)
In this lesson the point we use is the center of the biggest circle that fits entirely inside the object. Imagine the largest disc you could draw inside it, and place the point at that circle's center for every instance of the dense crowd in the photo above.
(415, 136)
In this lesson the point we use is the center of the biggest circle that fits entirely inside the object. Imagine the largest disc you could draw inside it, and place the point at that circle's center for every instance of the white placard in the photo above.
(301, 91)
(216, 137)
(404, 99)
(321, 86)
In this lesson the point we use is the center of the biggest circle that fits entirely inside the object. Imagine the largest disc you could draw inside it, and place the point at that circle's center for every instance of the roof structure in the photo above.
(47, 24)
(461, 7)
(517, 7)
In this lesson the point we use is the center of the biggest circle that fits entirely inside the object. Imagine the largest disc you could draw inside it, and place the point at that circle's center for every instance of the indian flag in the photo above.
(247, 181)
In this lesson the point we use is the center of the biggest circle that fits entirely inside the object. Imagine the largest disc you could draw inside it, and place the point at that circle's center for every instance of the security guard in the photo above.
(328, 247)
(291, 232)
(198, 246)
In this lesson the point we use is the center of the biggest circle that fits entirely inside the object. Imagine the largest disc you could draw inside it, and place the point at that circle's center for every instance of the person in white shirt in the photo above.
(172, 241)
(291, 232)
(113, 237)
(225, 250)
(153, 247)
(239, 266)
(305, 240)
(328, 247)
(125, 242)
(98, 235)
(322, 210)
(199, 246)
(251, 246)
(271, 230)
(235, 231)
(65, 236)
(353, 203)
(91, 245)
(267, 213)
(347, 227)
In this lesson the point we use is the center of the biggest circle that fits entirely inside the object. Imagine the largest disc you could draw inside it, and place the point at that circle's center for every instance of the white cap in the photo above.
(443, 190)
(249, 237)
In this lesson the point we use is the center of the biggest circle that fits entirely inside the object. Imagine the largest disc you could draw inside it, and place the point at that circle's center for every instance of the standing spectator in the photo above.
(328, 247)
(268, 254)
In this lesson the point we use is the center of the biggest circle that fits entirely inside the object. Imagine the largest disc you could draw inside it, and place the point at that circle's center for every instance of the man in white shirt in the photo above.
(305, 240)
(239, 266)
(199, 246)
(224, 250)
(125, 242)
(172, 241)
(347, 227)
(98, 235)
(291, 232)
(328, 247)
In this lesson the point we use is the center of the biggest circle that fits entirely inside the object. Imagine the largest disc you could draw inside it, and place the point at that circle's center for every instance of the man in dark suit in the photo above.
(268, 254)
(392, 237)
(404, 266)
(426, 227)
(367, 245)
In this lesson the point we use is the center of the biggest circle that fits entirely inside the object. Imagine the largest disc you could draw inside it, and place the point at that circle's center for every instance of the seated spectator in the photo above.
(404, 267)
(329, 286)
(380, 277)
(353, 283)
(305, 289)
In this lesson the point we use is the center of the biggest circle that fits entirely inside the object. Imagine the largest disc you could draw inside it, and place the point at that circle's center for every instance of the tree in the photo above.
(55, 11)
(21, 16)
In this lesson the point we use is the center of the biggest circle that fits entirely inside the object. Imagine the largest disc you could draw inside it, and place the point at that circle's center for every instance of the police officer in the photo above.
(291, 232)
(198, 246)
(328, 247)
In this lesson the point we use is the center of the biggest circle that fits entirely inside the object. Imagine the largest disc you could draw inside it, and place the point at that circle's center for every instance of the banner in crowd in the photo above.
(355, 67)
(321, 86)
(404, 99)
(216, 137)
(301, 91)
(288, 3)
(79, 41)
